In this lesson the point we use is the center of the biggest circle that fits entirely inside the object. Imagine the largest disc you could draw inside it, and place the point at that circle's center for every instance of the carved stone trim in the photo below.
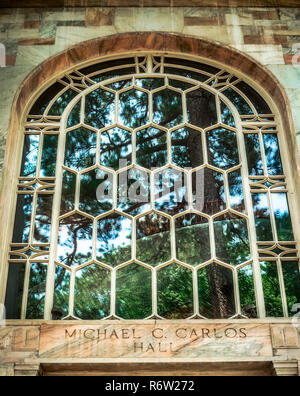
(284, 337)
(7, 370)
(286, 368)
(27, 370)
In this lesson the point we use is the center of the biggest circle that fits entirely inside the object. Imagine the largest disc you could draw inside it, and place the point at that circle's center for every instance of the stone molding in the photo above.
(25, 350)
(147, 3)
(286, 368)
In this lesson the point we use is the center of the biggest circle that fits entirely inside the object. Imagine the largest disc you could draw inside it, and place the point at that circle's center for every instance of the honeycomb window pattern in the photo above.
(155, 190)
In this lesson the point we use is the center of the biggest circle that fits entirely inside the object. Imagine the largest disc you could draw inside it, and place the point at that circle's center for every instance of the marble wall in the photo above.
(32, 35)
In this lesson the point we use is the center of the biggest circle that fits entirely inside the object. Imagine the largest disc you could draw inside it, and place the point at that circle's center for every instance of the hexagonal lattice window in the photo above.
(222, 147)
(216, 292)
(153, 243)
(231, 238)
(80, 149)
(75, 240)
(133, 108)
(136, 169)
(133, 292)
(204, 100)
(116, 148)
(151, 148)
(171, 194)
(96, 192)
(114, 239)
(99, 108)
(192, 239)
(187, 147)
(92, 284)
(208, 191)
(167, 108)
(175, 292)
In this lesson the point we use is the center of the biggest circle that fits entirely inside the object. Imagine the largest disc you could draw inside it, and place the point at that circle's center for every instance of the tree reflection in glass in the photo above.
(133, 292)
(192, 239)
(151, 148)
(36, 291)
(236, 191)
(93, 285)
(43, 218)
(171, 191)
(175, 292)
(100, 108)
(80, 149)
(114, 239)
(96, 195)
(291, 276)
(134, 191)
(153, 239)
(223, 150)
(133, 108)
(167, 108)
(271, 289)
(68, 192)
(262, 217)
(48, 160)
(216, 292)
(22, 218)
(253, 152)
(231, 238)
(115, 147)
(75, 240)
(282, 217)
(61, 290)
(208, 191)
(272, 154)
(246, 288)
(30, 155)
(201, 108)
(187, 148)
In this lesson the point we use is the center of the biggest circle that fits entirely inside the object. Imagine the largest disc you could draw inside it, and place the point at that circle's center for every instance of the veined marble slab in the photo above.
(159, 340)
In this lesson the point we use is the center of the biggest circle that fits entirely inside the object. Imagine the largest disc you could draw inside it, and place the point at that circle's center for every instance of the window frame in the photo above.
(285, 157)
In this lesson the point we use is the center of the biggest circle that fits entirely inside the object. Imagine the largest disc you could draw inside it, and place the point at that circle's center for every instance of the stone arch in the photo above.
(90, 51)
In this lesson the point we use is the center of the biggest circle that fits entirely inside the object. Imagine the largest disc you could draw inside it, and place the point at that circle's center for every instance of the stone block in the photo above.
(288, 75)
(202, 21)
(265, 54)
(32, 24)
(16, 17)
(221, 34)
(99, 16)
(149, 19)
(37, 41)
(69, 14)
(47, 30)
(67, 36)
(18, 32)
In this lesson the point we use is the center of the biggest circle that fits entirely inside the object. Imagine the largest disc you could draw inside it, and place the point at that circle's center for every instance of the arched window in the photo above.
(152, 186)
